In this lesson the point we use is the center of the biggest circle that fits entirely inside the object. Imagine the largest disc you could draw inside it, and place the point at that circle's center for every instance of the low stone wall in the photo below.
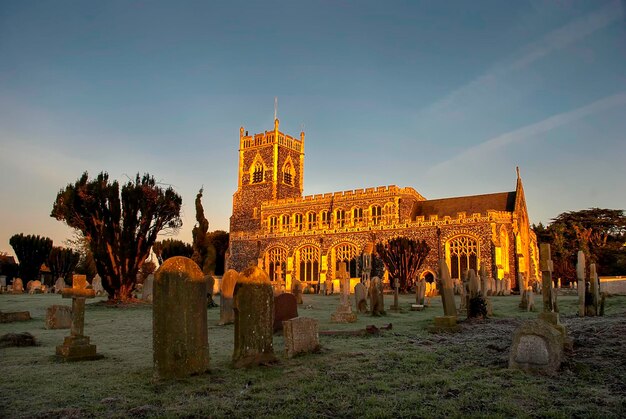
(613, 284)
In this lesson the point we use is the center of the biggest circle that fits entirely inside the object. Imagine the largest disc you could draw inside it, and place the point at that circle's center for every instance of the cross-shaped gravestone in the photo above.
(76, 347)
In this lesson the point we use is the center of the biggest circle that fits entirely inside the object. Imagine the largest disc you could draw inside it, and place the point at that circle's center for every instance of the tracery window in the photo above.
(325, 216)
(388, 213)
(357, 216)
(288, 174)
(309, 264)
(346, 253)
(285, 222)
(340, 218)
(463, 255)
(257, 174)
(276, 263)
(311, 221)
(272, 224)
(297, 222)
(376, 214)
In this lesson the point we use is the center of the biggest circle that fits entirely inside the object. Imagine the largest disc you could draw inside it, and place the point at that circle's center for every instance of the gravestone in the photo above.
(343, 313)
(253, 302)
(581, 273)
(210, 284)
(360, 297)
(377, 298)
(18, 286)
(76, 347)
(506, 286)
(420, 292)
(180, 346)
(329, 287)
(227, 315)
(296, 289)
(592, 301)
(301, 336)
(96, 285)
(59, 285)
(537, 348)
(148, 286)
(447, 322)
(550, 312)
(531, 299)
(58, 317)
(14, 316)
(35, 287)
(285, 308)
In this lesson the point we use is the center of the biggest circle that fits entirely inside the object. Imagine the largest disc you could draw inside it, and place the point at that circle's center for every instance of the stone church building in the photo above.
(293, 236)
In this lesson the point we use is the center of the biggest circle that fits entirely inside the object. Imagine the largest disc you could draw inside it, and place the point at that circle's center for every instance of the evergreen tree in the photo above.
(32, 252)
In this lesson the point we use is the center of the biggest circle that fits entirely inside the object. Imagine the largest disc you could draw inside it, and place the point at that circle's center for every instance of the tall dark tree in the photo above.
(62, 262)
(599, 233)
(219, 240)
(168, 248)
(31, 251)
(203, 250)
(403, 257)
(121, 229)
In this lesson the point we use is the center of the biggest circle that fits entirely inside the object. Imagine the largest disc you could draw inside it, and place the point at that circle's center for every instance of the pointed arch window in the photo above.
(309, 264)
(346, 253)
(276, 263)
(311, 221)
(285, 221)
(288, 173)
(357, 216)
(463, 252)
(340, 218)
(376, 214)
(257, 173)
(297, 222)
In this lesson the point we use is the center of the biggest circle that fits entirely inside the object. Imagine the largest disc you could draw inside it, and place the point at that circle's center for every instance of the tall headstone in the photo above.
(377, 300)
(96, 284)
(18, 286)
(76, 347)
(420, 292)
(147, 290)
(447, 322)
(484, 281)
(227, 315)
(594, 288)
(253, 302)
(179, 320)
(550, 312)
(296, 289)
(581, 272)
(344, 313)
(360, 297)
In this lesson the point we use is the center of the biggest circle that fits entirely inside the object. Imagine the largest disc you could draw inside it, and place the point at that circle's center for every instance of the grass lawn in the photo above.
(403, 372)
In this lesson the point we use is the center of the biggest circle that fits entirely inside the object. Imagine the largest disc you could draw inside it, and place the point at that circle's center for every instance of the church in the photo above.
(293, 236)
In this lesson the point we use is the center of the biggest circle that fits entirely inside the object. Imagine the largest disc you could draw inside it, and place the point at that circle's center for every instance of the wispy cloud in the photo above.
(529, 54)
(532, 130)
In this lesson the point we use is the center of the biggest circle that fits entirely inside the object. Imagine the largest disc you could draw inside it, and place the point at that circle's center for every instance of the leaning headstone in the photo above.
(18, 286)
(59, 285)
(343, 313)
(227, 315)
(253, 302)
(360, 297)
(537, 348)
(180, 344)
(147, 290)
(301, 336)
(96, 284)
(296, 289)
(76, 347)
(285, 308)
(447, 322)
(58, 317)
(377, 298)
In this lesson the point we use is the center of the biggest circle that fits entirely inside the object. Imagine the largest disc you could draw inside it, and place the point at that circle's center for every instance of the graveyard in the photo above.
(401, 370)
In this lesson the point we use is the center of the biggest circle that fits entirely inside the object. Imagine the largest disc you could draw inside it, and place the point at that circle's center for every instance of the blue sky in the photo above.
(446, 97)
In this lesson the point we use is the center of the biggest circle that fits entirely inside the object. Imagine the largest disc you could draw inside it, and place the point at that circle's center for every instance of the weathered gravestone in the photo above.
(59, 285)
(581, 273)
(343, 313)
(253, 302)
(179, 320)
(58, 317)
(76, 347)
(227, 315)
(447, 322)
(285, 308)
(301, 336)
(35, 287)
(148, 287)
(96, 285)
(360, 297)
(593, 300)
(377, 298)
(15, 316)
(531, 299)
(296, 289)
(18, 286)
(550, 311)
(537, 348)
(210, 284)
(420, 292)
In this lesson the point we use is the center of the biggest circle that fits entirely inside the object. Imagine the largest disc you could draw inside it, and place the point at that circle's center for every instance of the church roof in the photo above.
(502, 201)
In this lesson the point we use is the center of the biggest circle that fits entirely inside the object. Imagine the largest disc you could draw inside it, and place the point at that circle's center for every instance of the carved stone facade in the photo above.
(293, 236)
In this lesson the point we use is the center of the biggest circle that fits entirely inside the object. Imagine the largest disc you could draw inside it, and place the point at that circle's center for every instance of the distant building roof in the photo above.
(502, 201)
(8, 260)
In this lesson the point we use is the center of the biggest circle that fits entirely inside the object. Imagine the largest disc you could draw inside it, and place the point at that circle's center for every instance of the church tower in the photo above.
(271, 166)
